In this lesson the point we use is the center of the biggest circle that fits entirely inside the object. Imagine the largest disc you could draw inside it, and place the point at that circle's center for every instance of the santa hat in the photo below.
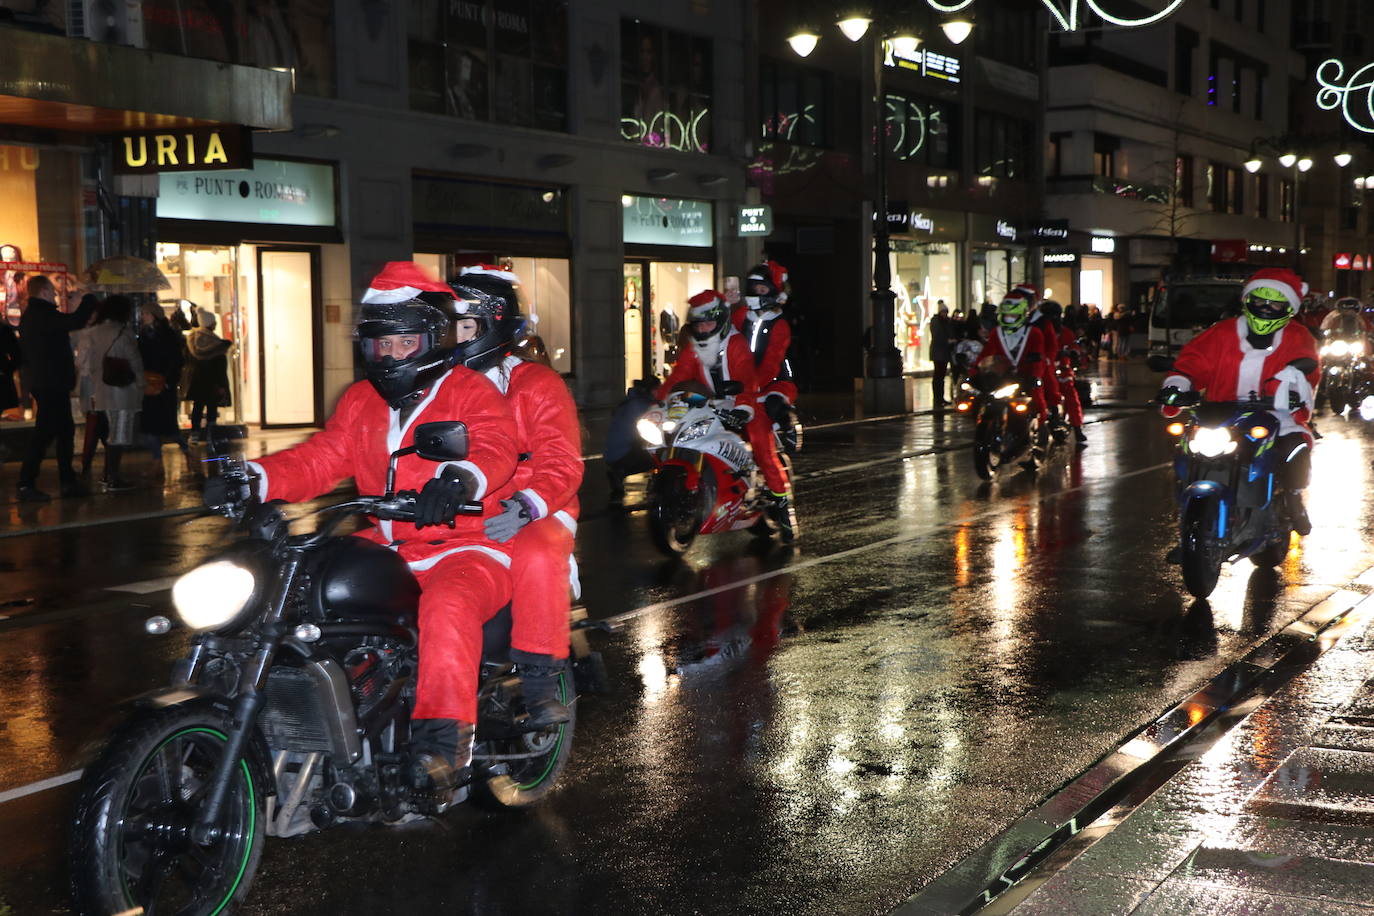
(707, 298)
(491, 270)
(1030, 291)
(1281, 279)
(1018, 294)
(401, 281)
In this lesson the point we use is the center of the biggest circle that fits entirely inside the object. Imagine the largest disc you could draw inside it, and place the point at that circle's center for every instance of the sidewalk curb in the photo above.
(978, 879)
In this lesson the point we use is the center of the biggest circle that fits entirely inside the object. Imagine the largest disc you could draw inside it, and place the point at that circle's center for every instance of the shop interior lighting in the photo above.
(1252, 165)
(1287, 160)
(854, 27)
(956, 30)
(1304, 164)
(1342, 159)
(1360, 183)
(804, 42)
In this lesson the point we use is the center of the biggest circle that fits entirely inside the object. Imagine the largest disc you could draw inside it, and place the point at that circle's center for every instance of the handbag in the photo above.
(116, 371)
(154, 383)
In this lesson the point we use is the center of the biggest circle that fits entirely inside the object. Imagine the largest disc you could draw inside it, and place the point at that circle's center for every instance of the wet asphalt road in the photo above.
(934, 658)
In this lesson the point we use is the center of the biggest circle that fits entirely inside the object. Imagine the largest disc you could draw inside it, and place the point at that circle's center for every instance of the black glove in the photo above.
(439, 501)
(224, 490)
(735, 419)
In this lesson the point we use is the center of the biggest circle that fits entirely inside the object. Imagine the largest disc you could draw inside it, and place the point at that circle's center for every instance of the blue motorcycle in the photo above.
(1230, 503)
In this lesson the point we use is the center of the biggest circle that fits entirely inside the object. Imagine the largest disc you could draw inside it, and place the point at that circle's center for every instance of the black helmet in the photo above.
(489, 295)
(1052, 310)
(763, 285)
(401, 376)
(1347, 302)
(708, 315)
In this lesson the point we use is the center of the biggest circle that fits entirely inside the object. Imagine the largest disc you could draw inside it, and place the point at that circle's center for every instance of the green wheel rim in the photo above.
(558, 745)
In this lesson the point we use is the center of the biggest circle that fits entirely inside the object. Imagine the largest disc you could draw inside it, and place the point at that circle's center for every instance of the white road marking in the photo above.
(42, 785)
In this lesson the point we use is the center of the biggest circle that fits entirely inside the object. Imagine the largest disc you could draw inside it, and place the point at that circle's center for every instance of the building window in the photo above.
(1235, 191)
(1056, 154)
(921, 132)
(491, 60)
(665, 87)
(1286, 200)
(1262, 195)
(1104, 155)
(795, 103)
(1008, 35)
(1183, 180)
(1003, 145)
(1185, 44)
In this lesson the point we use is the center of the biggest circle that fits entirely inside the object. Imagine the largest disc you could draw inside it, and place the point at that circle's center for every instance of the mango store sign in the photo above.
(273, 191)
(667, 221)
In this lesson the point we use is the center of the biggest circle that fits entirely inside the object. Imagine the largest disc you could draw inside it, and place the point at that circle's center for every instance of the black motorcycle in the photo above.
(1346, 376)
(291, 712)
(1007, 425)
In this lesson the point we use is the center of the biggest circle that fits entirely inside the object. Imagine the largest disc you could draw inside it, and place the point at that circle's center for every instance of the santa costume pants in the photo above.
(540, 601)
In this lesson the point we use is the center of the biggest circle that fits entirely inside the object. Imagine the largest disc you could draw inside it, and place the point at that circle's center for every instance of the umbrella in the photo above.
(125, 274)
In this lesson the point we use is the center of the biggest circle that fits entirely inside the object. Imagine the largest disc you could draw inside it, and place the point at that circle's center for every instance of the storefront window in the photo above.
(923, 276)
(665, 79)
(795, 103)
(491, 60)
(655, 313)
(995, 271)
(44, 224)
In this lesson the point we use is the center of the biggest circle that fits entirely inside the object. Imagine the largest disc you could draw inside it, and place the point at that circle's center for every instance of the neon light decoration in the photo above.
(1068, 19)
(1336, 91)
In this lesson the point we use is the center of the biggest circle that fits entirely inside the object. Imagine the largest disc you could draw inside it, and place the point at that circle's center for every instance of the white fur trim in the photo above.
(262, 480)
(1293, 296)
(564, 516)
(430, 562)
(1251, 376)
(1291, 380)
(574, 580)
(384, 296)
(472, 469)
(539, 505)
(744, 407)
(501, 372)
(384, 526)
(1181, 382)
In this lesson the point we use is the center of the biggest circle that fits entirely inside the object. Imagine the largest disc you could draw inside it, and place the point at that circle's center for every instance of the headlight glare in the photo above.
(1338, 348)
(649, 431)
(212, 594)
(1006, 391)
(1211, 442)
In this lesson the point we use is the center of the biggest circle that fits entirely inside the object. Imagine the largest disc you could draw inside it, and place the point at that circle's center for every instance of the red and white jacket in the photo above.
(1221, 363)
(769, 366)
(1018, 350)
(358, 441)
(548, 436)
(736, 365)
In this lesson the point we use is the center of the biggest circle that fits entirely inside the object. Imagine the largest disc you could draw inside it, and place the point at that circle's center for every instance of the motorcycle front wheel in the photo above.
(987, 446)
(1337, 398)
(673, 513)
(1200, 559)
(131, 847)
(530, 763)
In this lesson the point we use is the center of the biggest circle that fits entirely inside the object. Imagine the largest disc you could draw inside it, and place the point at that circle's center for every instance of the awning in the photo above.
(70, 84)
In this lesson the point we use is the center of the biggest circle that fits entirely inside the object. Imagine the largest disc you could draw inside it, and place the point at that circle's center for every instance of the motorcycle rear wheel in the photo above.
(529, 779)
(1200, 562)
(130, 842)
(671, 526)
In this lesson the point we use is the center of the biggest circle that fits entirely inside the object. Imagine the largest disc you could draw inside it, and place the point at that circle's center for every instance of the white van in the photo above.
(1184, 308)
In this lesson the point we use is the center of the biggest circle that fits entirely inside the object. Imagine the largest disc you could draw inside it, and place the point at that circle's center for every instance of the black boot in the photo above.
(440, 755)
(1297, 513)
(783, 518)
(541, 681)
(1079, 437)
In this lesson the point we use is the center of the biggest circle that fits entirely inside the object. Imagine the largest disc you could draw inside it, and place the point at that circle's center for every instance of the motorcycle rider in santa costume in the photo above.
(719, 354)
(538, 522)
(769, 336)
(1065, 351)
(405, 331)
(1261, 354)
(1027, 348)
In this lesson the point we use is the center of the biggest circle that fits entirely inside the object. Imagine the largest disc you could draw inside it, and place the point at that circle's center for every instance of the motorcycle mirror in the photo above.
(446, 440)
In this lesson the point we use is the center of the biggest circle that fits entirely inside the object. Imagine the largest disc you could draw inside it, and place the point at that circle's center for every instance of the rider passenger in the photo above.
(1065, 350)
(407, 342)
(719, 354)
(539, 520)
(769, 336)
(1262, 354)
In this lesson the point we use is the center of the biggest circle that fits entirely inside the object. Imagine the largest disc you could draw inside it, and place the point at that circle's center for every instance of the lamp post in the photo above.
(1299, 164)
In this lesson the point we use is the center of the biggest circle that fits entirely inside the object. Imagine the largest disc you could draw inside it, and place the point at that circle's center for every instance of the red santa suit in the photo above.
(464, 576)
(1222, 364)
(769, 336)
(1019, 348)
(546, 479)
(735, 363)
(1066, 344)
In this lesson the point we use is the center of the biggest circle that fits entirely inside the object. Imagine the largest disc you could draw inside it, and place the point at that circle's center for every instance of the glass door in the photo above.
(635, 302)
(290, 335)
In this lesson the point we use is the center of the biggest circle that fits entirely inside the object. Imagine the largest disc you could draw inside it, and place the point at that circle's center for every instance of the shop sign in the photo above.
(33, 267)
(273, 191)
(1006, 230)
(898, 216)
(924, 61)
(442, 204)
(1359, 262)
(1342, 260)
(1230, 251)
(1050, 230)
(667, 221)
(1103, 244)
(993, 229)
(754, 221)
(1061, 257)
(184, 150)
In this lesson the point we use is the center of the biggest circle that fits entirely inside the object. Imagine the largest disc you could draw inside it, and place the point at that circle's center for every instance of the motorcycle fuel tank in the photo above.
(354, 579)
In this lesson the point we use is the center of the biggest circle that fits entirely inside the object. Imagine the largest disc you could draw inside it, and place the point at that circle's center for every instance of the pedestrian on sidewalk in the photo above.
(941, 330)
(96, 431)
(113, 362)
(164, 357)
(208, 387)
(49, 373)
(9, 364)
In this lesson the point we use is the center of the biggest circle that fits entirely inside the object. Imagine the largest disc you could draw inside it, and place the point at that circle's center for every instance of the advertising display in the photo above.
(274, 192)
(667, 221)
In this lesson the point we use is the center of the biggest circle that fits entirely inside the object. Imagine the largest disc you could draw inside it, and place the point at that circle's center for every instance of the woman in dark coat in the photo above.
(208, 388)
(163, 357)
(9, 362)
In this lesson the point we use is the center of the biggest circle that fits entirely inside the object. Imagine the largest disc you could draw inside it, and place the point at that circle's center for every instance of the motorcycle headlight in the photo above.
(1357, 348)
(695, 431)
(1211, 442)
(1006, 391)
(212, 595)
(649, 431)
(1338, 348)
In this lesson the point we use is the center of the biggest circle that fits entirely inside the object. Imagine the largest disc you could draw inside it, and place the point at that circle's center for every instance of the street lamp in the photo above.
(1300, 163)
(883, 360)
